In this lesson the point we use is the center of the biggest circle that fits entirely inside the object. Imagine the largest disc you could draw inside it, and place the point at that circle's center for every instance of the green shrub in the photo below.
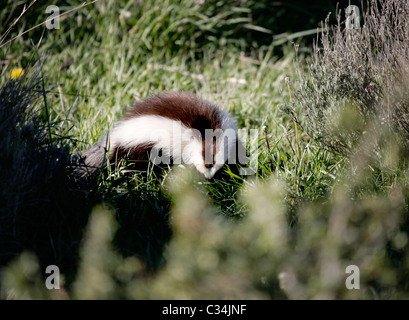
(209, 257)
(358, 76)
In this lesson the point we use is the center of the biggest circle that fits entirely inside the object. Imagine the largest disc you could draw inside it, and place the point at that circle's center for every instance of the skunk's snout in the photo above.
(208, 165)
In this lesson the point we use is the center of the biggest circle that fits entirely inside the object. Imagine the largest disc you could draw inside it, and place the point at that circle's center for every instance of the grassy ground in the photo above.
(105, 57)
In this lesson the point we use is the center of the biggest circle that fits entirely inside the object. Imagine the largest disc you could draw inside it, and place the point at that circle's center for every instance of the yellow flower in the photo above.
(16, 73)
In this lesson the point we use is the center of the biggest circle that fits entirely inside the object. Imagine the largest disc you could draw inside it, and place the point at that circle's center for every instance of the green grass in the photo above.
(106, 57)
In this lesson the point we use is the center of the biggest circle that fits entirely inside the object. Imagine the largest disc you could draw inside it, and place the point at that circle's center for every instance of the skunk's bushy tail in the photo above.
(93, 158)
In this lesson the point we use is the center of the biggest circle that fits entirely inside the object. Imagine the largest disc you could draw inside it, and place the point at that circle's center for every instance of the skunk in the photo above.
(170, 128)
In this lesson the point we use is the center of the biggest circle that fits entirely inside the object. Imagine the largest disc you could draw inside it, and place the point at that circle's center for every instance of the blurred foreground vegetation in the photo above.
(331, 188)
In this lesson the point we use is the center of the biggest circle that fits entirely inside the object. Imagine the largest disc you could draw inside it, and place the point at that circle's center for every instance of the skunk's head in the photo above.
(215, 147)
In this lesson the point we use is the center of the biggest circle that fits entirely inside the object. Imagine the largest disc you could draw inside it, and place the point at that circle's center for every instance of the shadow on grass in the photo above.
(44, 208)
